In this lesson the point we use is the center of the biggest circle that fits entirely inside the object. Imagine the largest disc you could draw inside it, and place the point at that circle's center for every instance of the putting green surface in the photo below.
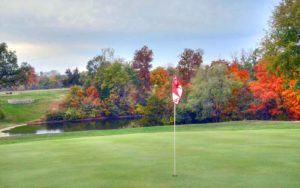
(255, 157)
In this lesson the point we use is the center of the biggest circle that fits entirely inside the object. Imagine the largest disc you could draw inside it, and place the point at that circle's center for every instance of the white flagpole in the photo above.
(174, 169)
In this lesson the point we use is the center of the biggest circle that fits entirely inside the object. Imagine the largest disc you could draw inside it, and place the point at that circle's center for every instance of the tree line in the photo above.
(257, 84)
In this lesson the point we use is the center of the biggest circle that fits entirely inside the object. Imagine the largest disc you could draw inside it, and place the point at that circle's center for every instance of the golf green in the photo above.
(256, 157)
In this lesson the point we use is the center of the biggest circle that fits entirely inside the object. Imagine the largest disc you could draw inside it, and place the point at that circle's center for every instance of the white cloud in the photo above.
(50, 56)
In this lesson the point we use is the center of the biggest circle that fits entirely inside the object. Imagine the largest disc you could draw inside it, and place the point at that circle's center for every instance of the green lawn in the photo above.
(22, 113)
(232, 154)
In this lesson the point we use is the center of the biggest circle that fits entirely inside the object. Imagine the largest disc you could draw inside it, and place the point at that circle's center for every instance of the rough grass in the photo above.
(22, 113)
(232, 154)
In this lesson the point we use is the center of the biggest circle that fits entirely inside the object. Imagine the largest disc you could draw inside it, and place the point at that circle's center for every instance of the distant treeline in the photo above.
(256, 84)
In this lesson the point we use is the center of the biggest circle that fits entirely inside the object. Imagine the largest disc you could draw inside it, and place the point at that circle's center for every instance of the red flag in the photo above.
(176, 90)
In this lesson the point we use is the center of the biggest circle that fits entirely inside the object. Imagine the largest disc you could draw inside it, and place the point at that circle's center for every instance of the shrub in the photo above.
(73, 114)
(55, 116)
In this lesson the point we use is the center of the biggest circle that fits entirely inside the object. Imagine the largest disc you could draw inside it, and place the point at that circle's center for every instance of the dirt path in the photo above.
(2, 134)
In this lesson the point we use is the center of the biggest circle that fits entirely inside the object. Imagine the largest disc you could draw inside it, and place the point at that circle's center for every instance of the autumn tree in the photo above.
(23, 73)
(247, 59)
(267, 91)
(132, 87)
(239, 73)
(159, 79)
(161, 86)
(32, 78)
(91, 103)
(142, 64)
(241, 97)
(190, 61)
(291, 100)
(220, 62)
(281, 45)
(116, 89)
(27, 75)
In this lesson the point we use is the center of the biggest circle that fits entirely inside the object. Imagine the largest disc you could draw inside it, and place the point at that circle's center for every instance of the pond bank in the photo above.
(39, 122)
(42, 122)
(2, 134)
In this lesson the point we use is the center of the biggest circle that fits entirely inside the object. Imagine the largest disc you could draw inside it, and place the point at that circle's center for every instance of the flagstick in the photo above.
(174, 169)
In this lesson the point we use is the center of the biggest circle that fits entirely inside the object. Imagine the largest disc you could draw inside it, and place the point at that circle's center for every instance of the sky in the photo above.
(61, 34)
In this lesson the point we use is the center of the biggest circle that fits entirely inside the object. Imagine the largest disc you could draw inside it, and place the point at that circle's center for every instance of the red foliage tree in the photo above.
(190, 61)
(142, 64)
(92, 97)
(92, 92)
(32, 78)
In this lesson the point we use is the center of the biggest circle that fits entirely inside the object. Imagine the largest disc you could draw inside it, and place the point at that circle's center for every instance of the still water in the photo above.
(72, 126)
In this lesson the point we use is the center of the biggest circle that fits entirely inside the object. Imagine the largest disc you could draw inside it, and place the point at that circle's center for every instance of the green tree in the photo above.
(10, 73)
(112, 79)
(154, 111)
(106, 56)
(24, 73)
(9, 68)
(72, 78)
(210, 91)
(282, 42)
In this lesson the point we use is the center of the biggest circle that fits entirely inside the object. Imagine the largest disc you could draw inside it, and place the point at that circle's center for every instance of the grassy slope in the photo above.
(259, 154)
(16, 114)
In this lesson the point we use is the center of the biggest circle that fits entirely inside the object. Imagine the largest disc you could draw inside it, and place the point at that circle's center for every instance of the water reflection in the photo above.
(48, 131)
(72, 126)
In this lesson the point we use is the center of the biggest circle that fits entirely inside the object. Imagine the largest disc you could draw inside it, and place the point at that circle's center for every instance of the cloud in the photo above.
(205, 17)
(50, 56)
(62, 29)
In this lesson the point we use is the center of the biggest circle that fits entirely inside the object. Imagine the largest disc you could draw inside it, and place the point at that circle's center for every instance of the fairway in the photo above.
(229, 156)
(22, 113)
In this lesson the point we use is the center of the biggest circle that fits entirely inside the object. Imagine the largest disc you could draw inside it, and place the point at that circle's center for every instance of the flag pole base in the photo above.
(174, 175)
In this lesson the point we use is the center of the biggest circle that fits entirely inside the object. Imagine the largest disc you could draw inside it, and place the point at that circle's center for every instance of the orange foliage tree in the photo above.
(238, 103)
(32, 78)
(240, 74)
(159, 79)
(291, 100)
(92, 97)
(267, 90)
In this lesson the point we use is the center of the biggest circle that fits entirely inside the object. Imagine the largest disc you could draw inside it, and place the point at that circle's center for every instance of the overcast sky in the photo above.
(60, 34)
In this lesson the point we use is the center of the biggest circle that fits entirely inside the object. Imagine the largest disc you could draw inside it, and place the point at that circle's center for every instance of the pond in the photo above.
(72, 126)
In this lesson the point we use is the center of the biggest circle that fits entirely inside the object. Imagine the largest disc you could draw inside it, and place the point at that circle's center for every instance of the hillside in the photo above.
(22, 113)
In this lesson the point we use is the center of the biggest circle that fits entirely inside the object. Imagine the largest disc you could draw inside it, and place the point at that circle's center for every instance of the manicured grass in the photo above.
(232, 154)
(22, 113)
